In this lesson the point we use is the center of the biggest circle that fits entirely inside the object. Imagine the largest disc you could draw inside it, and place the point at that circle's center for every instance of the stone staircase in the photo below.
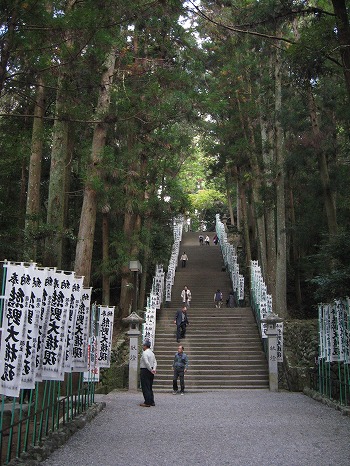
(223, 345)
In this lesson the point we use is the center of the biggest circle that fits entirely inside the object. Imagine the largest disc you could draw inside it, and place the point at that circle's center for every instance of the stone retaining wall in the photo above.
(300, 353)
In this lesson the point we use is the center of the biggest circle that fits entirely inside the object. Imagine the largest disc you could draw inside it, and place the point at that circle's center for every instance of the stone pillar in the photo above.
(271, 320)
(134, 320)
(133, 358)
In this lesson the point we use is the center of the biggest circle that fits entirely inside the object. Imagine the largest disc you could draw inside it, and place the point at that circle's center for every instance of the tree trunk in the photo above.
(126, 291)
(6, 43)
(105, 257)
(34, 175)
(87, 224)
(328, 195)
(281, 234)
(343, 27)
(295, 251)
(245, 225)
(268, 154)
(256, 184)
(229, 183)
(57, 187)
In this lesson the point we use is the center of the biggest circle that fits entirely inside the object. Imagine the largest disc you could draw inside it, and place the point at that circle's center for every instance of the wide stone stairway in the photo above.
(223, 345)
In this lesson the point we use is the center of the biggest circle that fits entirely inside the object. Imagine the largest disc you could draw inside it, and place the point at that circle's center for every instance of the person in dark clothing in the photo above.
(218, 298)
(230, 301)
(181, 321)
(148, 366)
(180, 366)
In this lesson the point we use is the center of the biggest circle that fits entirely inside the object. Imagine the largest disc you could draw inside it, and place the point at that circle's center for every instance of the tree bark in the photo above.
(343, 26)
(268, 155)
(245, 224)
(295, 251)
(105, 258)
(57, 187)
(87, 224)
(281, 234)
(328, 195)
(256, 184)
(229, 183)
(34, 175)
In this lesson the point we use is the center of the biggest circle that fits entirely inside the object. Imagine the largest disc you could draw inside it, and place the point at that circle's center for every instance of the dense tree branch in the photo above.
(237, 29)
(258, 34)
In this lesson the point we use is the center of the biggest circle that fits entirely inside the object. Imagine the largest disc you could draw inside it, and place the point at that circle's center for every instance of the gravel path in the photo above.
(233, 427)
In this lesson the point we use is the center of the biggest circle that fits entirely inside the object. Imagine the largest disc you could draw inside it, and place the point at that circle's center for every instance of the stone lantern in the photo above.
(271, 320)
(134, 321)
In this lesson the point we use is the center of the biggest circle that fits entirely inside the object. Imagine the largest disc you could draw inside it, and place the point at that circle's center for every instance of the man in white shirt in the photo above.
(186, 296)
(184, 259)
(148, 367)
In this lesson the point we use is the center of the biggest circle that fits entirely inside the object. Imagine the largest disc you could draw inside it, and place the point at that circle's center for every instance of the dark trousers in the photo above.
(181, 331)
(184, 263)
(179, 373)
(146, 378)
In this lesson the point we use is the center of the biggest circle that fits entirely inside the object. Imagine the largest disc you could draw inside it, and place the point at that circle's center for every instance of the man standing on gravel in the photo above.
(180, 366)
(181, 321)
(148, 366)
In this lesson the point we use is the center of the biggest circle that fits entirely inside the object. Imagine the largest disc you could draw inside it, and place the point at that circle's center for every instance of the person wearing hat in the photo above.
(148, 366)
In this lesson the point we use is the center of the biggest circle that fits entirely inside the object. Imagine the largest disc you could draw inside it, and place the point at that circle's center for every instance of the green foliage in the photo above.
(333, 268)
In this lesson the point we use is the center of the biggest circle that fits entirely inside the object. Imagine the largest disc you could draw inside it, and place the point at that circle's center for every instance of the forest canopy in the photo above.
(115, 117)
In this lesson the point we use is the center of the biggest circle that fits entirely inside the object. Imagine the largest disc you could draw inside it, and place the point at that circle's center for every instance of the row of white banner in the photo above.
(170, 276)
(334, 331)
(230, 259)
(263, 303)
(154, 302)
(45, 327)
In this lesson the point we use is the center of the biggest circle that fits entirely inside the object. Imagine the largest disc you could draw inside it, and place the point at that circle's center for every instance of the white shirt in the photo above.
(148, 360)
(183, 295)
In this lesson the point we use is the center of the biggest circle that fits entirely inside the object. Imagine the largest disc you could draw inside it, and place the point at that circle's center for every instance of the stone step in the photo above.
(211, 388)
(223, 344)
(226, 383)
(193, 352)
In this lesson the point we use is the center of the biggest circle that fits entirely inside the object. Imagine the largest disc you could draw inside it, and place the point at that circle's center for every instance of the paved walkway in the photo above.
(230, 427)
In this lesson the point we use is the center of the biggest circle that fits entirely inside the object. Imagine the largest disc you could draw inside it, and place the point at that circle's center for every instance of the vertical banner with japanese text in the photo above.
(81, 333)
(14, 327)
(105, 335)
(55, 340)
(38, 277)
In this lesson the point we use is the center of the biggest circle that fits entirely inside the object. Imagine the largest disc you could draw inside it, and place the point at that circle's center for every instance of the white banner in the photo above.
(241, 287)
(81, 333)
(279, 327)
(74, 303)
(149, 327)
(55, 340)
(44, 321)
(38, 277)
(334, 334)
(105, 335)
(14, 327)
(93, 373)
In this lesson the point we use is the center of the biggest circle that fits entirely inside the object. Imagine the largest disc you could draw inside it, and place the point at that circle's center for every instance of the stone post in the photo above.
(134, 333)
(271, 320)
